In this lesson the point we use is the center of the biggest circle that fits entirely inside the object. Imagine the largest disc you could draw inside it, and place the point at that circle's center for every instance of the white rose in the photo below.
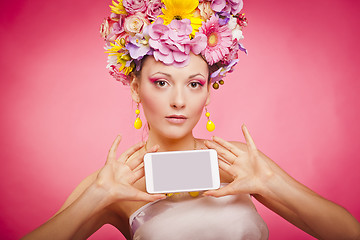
(205, 10)
(232, 23)
(135, 23)
(237, 34)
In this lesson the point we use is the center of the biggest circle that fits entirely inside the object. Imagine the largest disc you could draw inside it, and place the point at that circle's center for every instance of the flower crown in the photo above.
(169, 30)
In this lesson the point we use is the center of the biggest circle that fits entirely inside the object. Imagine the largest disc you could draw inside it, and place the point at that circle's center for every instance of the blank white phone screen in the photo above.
(182, 171)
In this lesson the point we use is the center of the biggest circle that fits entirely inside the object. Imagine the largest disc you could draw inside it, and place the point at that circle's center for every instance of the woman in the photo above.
(170, 77)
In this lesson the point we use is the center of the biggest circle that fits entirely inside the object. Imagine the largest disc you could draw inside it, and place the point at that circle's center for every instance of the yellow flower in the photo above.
(118, 8)
(181, 9)
(122, 56)
(115, 48)
(123, 68)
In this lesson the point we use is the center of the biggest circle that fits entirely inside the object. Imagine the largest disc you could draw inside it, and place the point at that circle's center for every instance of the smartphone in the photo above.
(181, 171)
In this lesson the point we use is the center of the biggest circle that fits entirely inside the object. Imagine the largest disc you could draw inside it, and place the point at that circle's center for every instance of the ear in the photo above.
(135, 86)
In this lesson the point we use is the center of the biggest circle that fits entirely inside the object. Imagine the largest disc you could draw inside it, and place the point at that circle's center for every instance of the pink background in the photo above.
(297, 91)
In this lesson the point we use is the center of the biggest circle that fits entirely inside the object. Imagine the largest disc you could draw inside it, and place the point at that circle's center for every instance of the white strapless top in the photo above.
(203, 218)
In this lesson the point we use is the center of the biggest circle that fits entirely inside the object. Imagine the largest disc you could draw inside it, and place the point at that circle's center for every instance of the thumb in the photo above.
(224, 191)
(143, 196)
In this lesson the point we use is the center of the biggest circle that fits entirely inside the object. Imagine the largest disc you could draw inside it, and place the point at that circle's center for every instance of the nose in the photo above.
(177, 98)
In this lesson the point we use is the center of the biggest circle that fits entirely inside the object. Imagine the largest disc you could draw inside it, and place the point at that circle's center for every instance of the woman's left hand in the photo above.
(249, 168)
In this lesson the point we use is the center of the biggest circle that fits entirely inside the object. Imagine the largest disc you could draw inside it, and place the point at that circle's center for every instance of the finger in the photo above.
(229, 146)
(223, 159)
(248, 138)
(226, 167)
(227, 190)
(112, 152)
(138, 174)
(130, 152)
(222, 152)
(143, 196)
(136, 161)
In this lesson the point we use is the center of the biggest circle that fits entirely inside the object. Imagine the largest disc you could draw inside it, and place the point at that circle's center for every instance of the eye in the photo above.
(195, 84)
(160, 83)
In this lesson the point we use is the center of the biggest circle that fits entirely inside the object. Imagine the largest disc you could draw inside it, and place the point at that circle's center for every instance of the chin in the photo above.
(175, 132)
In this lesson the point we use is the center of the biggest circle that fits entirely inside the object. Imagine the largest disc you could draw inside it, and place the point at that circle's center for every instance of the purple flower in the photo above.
(242, 48)
(154, 9)
(134, 6)
(224, 18)
(222, 71)
(171, 43)
(231, 6)
(138, 45)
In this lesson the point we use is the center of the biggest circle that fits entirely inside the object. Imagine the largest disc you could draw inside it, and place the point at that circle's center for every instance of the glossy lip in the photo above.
(177, 119)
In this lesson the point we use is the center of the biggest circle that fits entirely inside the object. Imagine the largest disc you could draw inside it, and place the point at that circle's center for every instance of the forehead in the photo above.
(195, 66)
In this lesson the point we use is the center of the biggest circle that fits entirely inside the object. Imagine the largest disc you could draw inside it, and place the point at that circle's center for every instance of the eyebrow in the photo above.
(192, 76)
(166, 74)
(169, 75)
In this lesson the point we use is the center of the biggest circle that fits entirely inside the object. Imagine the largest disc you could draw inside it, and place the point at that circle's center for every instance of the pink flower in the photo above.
(154, 9)
(231, 6)
(134, 6)
(242, 20)
(171, 43)
(236, 6)
(105, 28)
(118, 27)
(119, 76)
(219, 39)
(204, 10)
(111, 29)
(233, 52)
(135, 23)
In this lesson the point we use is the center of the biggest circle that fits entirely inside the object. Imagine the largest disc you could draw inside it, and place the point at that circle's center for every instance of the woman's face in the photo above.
(172, 98)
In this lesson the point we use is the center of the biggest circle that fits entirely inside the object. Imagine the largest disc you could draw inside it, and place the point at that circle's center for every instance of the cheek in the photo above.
(198, 103)
(151, 104)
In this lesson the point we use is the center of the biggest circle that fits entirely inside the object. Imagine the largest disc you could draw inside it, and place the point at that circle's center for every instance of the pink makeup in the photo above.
(176, 119)
(201, 81)
(154, 79)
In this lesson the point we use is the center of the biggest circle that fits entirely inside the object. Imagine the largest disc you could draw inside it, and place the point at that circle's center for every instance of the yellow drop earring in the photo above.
(137, 123)
(210, 126)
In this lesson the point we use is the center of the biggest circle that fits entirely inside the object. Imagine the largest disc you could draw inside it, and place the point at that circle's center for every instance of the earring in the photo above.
(210, 126)
(137, 123)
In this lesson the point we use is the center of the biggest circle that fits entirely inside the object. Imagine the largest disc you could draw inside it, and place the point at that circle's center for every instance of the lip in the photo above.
(176, 119)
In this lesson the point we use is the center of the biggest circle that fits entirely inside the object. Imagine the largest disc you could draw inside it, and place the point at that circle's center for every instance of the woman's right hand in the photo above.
(119, 174)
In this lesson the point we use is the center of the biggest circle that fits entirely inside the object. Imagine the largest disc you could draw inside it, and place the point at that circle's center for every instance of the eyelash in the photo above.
(157, 83)
(197, 84)
(162, 83)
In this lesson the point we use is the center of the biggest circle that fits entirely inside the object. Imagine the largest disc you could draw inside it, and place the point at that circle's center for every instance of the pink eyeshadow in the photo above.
(153, 79)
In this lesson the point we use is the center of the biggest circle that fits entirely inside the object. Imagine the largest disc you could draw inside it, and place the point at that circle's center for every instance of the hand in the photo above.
(249, 169)
(119, 174)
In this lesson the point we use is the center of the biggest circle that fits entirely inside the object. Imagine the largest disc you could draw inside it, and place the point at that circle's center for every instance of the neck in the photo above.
(169, 144)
